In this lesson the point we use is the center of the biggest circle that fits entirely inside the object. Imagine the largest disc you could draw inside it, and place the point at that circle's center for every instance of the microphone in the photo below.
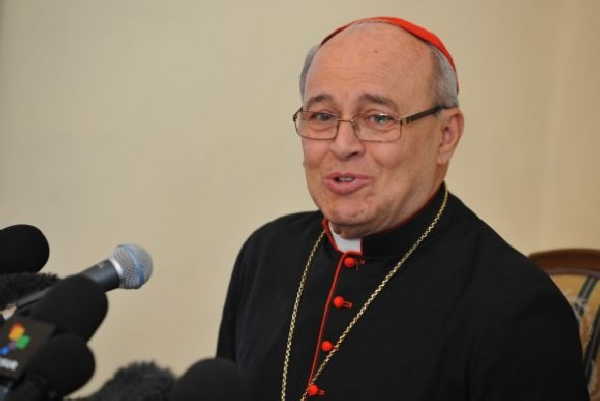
(139, 381)
(75, 305)
(16, 285)
(129, 267)
(62, 366)
(210, 380)
(22, 248)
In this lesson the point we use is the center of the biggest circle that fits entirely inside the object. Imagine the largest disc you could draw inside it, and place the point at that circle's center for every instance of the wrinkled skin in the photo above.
(381, 68)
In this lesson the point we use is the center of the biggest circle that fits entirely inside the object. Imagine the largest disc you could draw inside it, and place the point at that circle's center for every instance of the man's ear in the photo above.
(452, 128)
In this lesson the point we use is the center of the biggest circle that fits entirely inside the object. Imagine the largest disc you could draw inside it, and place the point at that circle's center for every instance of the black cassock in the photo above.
(466, 318)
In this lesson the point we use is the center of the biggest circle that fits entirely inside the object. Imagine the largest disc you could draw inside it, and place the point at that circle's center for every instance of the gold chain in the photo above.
(359, 314)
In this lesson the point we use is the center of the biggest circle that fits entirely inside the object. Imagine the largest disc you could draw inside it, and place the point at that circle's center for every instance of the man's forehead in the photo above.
(375, 37)
(374, 58)
(362, 98)
(416, 30)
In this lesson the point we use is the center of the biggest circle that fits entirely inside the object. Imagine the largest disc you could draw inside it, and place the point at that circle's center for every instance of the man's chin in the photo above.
(345, 214)
(347, 225)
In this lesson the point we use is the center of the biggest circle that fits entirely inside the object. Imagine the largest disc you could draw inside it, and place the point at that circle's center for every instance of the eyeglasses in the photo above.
(372, 127)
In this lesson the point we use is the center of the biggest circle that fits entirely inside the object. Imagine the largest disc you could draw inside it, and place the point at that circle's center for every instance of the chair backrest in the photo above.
(577, 272)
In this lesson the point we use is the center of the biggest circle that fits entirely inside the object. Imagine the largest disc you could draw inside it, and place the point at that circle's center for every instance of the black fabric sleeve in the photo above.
(530, 351)
(226, 344)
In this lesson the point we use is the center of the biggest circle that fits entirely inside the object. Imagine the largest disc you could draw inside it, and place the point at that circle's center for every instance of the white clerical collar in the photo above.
(344, 244)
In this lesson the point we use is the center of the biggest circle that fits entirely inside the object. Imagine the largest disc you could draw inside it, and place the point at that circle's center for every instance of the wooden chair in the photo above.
(577, 272)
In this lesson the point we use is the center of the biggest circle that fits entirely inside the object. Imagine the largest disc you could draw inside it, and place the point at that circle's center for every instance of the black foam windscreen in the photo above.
(16, 285)
(139, 381)
(22, 248)
(60, 367)
(75, 305)
(210, 380)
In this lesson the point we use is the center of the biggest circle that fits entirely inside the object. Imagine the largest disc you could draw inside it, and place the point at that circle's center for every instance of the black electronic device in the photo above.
(75, 306)
(60, 367)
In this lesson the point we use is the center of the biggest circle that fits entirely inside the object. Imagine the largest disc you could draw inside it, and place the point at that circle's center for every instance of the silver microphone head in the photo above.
(134, 265)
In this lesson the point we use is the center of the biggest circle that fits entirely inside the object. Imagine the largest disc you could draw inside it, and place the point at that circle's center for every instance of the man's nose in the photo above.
(346, 144)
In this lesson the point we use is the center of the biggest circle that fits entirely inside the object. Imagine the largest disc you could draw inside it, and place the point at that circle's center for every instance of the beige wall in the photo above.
(168, 124)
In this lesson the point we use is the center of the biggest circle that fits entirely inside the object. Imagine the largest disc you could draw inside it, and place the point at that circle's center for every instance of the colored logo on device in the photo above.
(18, 339)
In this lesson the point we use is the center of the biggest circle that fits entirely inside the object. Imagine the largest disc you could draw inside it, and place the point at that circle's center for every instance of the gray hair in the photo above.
(444, 83)
(307, 63)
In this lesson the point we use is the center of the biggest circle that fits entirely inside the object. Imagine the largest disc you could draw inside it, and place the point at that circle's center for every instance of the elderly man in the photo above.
(394, 289)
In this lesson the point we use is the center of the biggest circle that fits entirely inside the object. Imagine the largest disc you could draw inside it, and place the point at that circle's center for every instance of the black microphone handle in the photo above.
(102, 273)
(23, 304)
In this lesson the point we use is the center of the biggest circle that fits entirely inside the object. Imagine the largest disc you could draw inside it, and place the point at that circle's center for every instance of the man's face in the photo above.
(366, 187)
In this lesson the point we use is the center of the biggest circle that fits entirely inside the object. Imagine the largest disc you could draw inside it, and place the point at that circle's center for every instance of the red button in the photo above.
(339, 302)
(326, 346)
(314, 390)
(349, 262)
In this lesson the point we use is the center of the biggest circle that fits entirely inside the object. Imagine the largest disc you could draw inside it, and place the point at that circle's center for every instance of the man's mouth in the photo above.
(344, 178)
(346, 183)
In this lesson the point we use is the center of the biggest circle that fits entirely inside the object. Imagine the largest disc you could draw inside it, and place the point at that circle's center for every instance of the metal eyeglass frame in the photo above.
(400, 121)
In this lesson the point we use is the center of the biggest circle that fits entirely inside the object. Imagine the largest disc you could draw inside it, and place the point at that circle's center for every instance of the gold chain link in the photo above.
(288, 347)
(358, 315)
